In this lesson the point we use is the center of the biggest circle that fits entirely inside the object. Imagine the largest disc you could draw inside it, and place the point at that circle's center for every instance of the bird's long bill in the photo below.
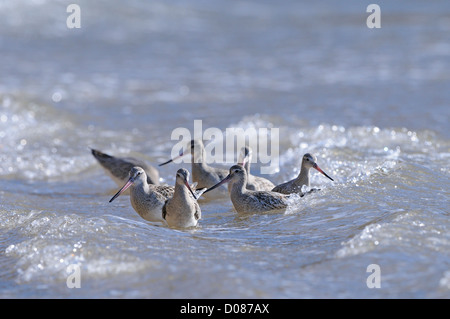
(173, 159)
(225, 180)
(320, 170)
(124, 188)
(190, 189)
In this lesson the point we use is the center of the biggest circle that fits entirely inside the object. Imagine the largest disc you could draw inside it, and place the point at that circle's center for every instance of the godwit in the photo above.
(248, 201)
(182, 210)
(146, 199)
(255, 183)
(204, 175)
(119, 168)
(295, 185)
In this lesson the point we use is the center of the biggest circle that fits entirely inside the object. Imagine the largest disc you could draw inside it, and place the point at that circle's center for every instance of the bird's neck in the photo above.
(199, 165)
(140, 187)
(247, 168)
(199, 156)
(303, 177)
(239, 186)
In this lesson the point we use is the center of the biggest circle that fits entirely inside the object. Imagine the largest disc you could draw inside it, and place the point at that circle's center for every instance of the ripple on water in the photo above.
(50, 243)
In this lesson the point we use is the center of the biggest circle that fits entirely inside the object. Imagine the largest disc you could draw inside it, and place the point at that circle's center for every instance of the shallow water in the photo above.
(372, 105)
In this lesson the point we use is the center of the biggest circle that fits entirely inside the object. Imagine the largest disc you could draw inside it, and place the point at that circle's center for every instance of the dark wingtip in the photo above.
(97, 154)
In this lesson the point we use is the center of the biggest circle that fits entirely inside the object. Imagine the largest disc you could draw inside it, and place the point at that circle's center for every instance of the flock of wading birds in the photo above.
(177, 205)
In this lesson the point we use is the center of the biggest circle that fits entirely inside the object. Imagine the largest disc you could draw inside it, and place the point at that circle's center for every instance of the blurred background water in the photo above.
(371, 104)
